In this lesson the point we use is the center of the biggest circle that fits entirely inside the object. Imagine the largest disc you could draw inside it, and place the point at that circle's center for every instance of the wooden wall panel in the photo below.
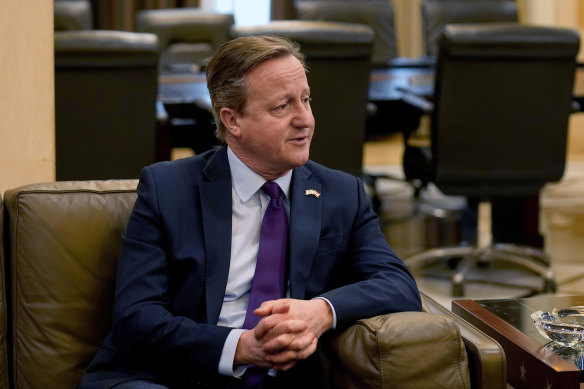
(27, 141)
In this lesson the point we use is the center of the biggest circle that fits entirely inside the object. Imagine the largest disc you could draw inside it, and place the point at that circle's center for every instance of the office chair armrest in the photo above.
(417, 101)
(163, 147)
(486, 358)
(398, 350)
(161, 113)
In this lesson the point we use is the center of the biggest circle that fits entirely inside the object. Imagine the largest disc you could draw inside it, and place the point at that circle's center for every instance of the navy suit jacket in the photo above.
(175, 260)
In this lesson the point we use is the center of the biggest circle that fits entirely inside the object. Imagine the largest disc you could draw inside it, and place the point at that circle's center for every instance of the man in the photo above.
(188, 261)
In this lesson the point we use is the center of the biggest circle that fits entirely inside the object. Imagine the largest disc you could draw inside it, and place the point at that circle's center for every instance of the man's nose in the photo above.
(303, 116)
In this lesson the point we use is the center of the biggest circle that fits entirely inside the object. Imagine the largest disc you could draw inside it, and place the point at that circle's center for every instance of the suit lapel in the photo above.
(305, 222)
(216, 211)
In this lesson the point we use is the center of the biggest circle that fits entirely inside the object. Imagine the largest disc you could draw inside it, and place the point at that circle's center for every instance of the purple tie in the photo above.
(269, 280)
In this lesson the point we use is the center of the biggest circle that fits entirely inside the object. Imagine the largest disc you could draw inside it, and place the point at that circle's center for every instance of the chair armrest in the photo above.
(416, 101)
(486, 358)
(399, 350)
(163, 136)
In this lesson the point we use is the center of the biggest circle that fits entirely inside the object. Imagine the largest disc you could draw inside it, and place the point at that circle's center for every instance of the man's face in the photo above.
(273, 133)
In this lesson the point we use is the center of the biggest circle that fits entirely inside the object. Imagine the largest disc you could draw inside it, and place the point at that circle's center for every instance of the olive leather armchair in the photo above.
(61, 243)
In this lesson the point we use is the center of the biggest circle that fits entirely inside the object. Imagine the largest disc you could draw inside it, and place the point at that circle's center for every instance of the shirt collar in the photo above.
(246, 182)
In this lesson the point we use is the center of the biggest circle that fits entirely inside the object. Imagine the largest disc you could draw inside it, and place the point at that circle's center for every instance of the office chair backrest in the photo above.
(437, 14)
(338, 59)
(72, 15)
(502, 101)
(186, 36)
(378, 14)
(105, 101)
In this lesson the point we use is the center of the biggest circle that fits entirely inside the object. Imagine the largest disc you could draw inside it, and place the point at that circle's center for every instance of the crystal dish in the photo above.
(564, 326)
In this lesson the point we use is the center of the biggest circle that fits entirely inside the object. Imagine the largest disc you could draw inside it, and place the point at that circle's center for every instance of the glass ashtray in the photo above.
(564, 326)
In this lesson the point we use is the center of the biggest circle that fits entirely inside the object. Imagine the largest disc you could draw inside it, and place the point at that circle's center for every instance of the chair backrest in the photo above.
(503, 96)
(338, 59)
(73, 15)
(105, 101)
(436, 14)
(64, 240)
(187, 36)
(378, 14)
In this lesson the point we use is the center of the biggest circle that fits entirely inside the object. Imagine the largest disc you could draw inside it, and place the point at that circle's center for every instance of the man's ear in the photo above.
(229, 119)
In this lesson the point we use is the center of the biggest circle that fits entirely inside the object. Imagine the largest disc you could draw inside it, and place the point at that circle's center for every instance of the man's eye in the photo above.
(280, 109)
(307, 100)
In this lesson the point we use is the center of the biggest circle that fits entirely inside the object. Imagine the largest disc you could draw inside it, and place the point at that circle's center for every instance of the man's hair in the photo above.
(228, 67)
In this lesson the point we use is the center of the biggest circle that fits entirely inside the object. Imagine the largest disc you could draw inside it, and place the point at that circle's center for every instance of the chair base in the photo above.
(528, 258)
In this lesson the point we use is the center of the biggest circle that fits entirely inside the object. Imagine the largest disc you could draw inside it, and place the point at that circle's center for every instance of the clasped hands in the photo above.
(288, 332)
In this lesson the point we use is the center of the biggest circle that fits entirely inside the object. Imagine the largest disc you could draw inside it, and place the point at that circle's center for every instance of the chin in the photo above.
(302, 160)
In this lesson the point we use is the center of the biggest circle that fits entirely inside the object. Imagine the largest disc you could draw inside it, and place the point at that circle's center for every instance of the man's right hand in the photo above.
(289, 342)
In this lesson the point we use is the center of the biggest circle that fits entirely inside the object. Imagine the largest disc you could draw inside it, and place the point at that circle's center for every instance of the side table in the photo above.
(530, 365)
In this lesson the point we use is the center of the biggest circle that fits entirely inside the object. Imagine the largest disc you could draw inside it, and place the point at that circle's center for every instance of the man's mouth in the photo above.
(300, 139)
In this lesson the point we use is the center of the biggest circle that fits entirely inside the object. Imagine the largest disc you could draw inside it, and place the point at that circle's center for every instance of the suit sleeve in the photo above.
(145, 329)
(378, 282)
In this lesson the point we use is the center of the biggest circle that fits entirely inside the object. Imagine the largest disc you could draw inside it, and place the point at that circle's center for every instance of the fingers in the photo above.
(249, 350)
(284, 366)
(289, 341)
(282, 343)
(287, 358)
(273, 307)
(275, 325)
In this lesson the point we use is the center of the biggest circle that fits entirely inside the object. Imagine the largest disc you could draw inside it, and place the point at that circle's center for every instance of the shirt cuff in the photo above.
(226, 366)
(334, 325)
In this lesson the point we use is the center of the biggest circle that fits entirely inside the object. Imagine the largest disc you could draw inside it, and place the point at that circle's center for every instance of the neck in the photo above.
(264, 173)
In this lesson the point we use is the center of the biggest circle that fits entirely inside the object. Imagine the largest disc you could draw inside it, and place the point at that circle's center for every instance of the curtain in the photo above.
(121, 14)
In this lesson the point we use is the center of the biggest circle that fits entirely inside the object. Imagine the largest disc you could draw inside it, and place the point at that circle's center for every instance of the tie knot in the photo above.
(271, 189)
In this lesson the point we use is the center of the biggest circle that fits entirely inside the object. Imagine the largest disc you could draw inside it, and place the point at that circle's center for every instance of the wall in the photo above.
(408, 22)
(27, 145)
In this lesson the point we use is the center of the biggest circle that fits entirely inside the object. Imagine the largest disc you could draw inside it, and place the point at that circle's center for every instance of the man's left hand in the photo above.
(284, 348)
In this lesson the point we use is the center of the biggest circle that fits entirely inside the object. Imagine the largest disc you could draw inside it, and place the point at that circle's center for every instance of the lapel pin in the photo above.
(313, 192)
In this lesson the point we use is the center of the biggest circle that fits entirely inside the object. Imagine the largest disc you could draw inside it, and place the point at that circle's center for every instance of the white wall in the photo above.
(245, 12)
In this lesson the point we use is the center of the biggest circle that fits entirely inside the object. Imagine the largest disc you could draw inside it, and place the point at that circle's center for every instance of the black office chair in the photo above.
(436, 14)
(338, 59)
(378, 14)
(499, 122)
(72, 15)
(105, 103)
(187, 36)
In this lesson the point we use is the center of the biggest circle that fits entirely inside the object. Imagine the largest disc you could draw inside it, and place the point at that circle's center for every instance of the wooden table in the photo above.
(530, 365)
